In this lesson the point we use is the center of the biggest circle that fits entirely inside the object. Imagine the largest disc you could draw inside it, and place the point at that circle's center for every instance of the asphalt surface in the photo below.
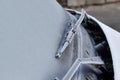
(108, 14)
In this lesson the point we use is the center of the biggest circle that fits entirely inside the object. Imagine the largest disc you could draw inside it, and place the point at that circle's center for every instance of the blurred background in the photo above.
(107, 11)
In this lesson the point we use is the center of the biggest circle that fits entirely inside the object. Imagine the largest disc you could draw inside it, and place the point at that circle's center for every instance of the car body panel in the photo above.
(30, 31)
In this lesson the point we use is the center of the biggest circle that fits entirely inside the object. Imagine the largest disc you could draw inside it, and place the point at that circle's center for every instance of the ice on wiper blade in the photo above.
(70, 35)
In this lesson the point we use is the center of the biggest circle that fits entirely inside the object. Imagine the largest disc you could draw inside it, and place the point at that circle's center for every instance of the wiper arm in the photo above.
(71, 33)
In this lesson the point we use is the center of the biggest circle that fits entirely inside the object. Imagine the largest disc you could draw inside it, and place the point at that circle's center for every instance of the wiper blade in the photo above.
(70, 35)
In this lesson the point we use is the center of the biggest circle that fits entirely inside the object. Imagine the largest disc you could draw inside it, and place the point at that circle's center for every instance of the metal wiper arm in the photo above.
(71, 34)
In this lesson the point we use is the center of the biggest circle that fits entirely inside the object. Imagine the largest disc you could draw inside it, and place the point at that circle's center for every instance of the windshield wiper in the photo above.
(70, 35)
